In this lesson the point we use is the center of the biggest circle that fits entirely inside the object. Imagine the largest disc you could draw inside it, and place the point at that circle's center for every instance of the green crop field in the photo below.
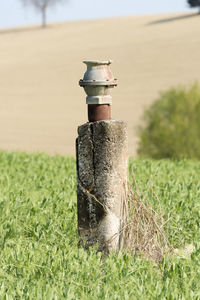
(39, 257)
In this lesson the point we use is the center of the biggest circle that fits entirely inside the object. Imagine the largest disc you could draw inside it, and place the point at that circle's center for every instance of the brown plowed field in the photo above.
(41, 104)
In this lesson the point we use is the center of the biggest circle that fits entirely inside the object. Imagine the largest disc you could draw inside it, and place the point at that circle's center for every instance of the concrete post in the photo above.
(102, 164)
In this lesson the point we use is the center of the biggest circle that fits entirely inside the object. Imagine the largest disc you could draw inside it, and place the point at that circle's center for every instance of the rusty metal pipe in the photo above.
(99, 112)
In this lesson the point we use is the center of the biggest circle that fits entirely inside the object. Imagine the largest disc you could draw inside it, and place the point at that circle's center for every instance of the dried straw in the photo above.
(144, 232)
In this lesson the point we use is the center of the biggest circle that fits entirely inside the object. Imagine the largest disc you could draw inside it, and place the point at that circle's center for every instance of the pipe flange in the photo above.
(98, 81)
(94, 82)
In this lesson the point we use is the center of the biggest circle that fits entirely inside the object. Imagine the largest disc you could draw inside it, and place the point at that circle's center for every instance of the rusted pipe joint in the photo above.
(98, 82)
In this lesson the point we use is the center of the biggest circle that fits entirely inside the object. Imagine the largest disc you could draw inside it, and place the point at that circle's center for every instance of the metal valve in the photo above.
(97, 83)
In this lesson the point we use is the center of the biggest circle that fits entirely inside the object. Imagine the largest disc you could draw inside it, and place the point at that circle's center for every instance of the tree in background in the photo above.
(42, 6)
(194, 3)
(171, 125)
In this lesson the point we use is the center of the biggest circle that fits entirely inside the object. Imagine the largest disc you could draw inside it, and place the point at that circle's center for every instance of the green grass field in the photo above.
(39, 258)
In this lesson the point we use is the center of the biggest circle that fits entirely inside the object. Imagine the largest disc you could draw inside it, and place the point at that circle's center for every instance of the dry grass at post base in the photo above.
(144, 233)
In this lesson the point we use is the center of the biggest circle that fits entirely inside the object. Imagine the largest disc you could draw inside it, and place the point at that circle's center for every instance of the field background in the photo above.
(41, 104)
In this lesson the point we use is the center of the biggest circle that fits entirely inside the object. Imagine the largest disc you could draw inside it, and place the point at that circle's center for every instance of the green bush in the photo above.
(171, 126)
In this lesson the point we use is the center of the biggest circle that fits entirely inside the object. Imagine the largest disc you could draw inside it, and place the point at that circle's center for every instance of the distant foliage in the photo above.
(172, 125)
(194, 3)
(41, 6)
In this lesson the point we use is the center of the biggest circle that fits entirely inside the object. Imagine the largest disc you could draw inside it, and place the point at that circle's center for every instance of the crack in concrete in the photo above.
(92, 204)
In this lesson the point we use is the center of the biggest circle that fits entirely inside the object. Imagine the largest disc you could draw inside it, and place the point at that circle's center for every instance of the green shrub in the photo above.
(172, 125)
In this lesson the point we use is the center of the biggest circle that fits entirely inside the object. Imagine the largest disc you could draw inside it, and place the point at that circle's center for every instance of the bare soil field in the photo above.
(41, 104)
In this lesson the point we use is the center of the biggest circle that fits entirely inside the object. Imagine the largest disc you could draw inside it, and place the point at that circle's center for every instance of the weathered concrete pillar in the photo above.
(102, 163)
